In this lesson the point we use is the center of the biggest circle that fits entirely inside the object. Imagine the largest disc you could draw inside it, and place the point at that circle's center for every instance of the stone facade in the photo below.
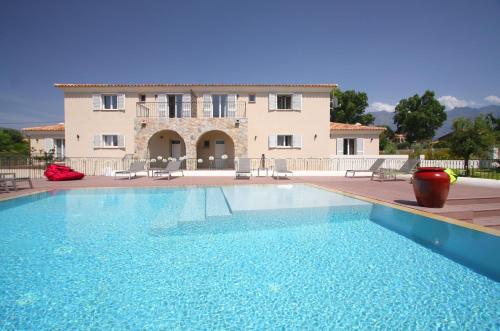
(191, 129)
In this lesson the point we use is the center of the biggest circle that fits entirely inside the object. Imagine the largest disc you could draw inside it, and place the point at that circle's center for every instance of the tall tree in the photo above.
(350, 107)
(472, 138)
(419, 117)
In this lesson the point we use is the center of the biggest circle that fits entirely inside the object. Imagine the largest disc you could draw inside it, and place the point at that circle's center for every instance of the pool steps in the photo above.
(216, 203)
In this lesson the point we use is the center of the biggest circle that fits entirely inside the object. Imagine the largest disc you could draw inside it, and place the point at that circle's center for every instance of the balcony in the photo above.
(191, 109)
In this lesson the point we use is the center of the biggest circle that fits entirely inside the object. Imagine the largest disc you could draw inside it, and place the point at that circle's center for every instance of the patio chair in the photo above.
(9, 180)
(173, 166)
(375, 166)
(135, 167)
(243, 169)
(280, 168)
(391, 174)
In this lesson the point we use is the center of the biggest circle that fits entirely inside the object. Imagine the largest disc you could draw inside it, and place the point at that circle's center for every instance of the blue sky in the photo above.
(389, 49)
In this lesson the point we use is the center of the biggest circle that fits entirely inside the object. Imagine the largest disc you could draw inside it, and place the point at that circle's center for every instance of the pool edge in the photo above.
(437, 217)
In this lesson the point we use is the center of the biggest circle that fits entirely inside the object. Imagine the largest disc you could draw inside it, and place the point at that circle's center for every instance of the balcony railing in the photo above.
(191, 109)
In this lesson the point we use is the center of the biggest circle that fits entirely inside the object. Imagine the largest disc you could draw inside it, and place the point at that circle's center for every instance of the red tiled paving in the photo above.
(397, 192)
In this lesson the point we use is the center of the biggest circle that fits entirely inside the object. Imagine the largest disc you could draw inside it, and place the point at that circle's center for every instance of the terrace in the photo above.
(218, 108)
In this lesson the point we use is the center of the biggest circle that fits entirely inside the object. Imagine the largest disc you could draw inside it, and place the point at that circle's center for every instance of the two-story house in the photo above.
(200, 120)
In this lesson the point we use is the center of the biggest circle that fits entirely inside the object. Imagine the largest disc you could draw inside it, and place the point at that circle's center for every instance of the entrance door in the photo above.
(220, 149)
(175, 148)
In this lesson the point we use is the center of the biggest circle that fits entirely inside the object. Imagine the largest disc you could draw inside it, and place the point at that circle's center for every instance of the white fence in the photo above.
(27, 167)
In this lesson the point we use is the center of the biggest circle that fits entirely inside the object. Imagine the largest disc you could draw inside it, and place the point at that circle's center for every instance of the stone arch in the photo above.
(166, 143)
(215, 143)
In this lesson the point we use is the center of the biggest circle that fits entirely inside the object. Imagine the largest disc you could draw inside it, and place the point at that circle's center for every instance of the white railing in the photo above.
(101, 166)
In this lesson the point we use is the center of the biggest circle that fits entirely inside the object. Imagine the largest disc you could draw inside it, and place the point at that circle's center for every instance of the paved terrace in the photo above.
(473, 204)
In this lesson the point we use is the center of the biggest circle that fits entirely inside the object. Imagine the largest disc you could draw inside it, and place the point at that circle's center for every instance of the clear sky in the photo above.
(389, 49)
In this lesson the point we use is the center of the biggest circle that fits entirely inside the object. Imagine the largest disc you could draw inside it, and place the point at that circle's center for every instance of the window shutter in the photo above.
(231, 105)
(340, 146)
(120, 101)
(297, 101)
(207, 105)
(162, 105)
(96, 102)
(273, 101)
(186, 105)
(297, 141)
(97, 141)
(360, 146)
(273, 141)
(121, 140)
(49, 144)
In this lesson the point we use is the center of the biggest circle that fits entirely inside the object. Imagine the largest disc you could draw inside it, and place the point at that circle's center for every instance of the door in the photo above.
(219, 103)
(175, 148)
(220, 149)
(59, 148)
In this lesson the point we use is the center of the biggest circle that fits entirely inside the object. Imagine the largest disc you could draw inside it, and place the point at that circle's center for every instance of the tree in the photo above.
(351, 107)
(386, 139)
(495, 122)
(419, 117)
(11, 141)
(471, 138)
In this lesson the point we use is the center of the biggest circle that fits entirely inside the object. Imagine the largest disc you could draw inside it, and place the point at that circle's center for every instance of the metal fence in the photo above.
(488, 169)
(101, 166)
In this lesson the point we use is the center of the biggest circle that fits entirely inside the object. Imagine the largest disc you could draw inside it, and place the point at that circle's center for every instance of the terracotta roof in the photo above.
(357, 126)
(53, 127)
(63, 85)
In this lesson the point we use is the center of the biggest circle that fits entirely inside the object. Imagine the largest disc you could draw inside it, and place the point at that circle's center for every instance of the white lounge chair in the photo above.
(374, 167)
(280, 168)
(172, 167)
(243, 168)
(9, 181)
(135, 167)
(391, 174)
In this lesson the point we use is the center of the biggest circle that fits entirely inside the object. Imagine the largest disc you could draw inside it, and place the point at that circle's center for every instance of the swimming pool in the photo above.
(252, 256)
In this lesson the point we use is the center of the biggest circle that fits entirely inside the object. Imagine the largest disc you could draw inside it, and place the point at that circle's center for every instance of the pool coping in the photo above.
(437, 217)
(441, 218)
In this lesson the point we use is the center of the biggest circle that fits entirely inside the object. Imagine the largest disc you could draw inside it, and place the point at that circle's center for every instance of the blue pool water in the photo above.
(294, 257)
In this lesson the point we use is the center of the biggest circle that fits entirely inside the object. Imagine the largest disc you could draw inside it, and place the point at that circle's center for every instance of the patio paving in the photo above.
(480, 205)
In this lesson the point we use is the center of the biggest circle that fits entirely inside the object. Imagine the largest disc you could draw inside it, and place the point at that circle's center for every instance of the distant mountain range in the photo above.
(385, 117)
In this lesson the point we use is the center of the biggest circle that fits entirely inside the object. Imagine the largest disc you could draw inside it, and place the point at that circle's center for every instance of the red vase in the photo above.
(431, 186)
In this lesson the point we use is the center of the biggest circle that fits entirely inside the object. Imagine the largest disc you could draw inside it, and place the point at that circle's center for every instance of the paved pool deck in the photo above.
(465, 202)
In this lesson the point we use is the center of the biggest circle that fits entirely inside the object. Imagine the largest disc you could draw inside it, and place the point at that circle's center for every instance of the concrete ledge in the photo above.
(493, 183)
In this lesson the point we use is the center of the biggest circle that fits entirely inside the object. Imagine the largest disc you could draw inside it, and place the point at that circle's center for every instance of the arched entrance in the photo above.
(166, 143)
(215, 143)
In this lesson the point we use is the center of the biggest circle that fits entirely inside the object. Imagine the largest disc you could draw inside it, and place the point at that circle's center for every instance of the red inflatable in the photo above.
(59, 172)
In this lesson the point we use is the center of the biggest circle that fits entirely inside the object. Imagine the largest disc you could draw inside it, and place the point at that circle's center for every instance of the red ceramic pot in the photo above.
(431, 186)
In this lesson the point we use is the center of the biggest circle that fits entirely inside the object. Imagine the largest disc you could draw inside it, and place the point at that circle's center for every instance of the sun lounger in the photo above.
(280, 168)
(172, 167)
(9, 181)
(243, 168)
(375, 166)
(391, 174)
(135, 167)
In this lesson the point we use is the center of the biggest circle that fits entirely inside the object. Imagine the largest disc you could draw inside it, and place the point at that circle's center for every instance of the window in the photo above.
(110, 101)
(110, 140)
(284, 140)
(251, 98)
(142, 98)
(284, 101)
(349, 146)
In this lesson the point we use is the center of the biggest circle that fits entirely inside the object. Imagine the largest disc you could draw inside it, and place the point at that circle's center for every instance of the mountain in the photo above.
(385, 117)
